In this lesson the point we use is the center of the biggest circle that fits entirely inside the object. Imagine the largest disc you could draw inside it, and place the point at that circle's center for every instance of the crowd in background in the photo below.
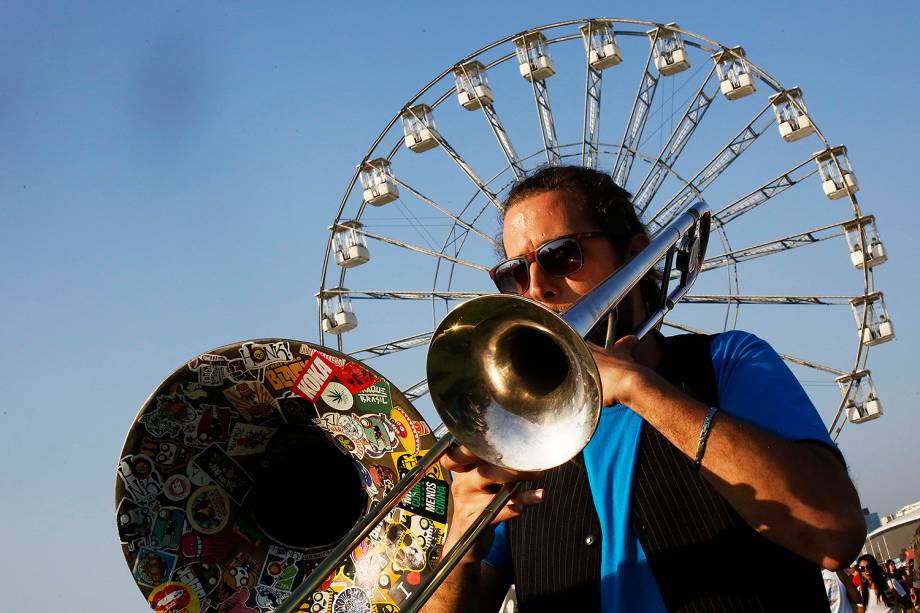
(870, 587)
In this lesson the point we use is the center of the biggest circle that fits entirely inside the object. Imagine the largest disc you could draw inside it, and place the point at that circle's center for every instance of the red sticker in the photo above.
(355, 377)
(314, 378)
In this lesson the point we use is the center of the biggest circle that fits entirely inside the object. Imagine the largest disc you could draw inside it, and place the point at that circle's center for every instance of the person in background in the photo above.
(879, 595)
(914, 594)
(842, 595)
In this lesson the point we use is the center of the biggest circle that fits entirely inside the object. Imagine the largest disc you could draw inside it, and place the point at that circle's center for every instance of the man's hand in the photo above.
(620, 373)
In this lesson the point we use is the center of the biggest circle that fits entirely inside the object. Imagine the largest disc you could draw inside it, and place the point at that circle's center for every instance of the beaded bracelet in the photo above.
(704, 436)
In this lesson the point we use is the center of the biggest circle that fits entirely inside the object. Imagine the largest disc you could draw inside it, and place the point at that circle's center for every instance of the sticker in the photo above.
(379, 434)
(345, 430)
(351, 600)
(141, 481)
(169, 456)
(251, 400)
(270, 598)
(213, 426)
(197, 476)
(225, 472)
(177, 488)
(240, 573)
(174, 597)
(281, 570)
(309, 351)
(356, 377)
(173, 412)
(208, 509)
(201, 577)
(203, 548)
(312, 381)
(247, 439)
(237, 603)
(153, 567)
(337, 396)
(133, 523)
(259, 355)
(168, 525)
(409, 431)
(428, 498)
(375, 397)
(284, 375)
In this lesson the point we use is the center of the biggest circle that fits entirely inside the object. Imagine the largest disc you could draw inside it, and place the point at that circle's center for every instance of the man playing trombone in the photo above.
(708, 451)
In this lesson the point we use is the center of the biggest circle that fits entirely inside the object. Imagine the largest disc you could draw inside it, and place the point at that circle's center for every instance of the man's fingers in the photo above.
(519, 503)
(460, 459)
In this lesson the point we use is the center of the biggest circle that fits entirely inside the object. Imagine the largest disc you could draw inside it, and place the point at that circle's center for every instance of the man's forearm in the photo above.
(795, 494)
(459, 592)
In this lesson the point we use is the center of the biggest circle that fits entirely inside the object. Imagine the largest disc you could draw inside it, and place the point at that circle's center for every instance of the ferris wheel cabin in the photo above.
(534, 61)
(735, 79)
(349, 244)
(669, 52)
(338, 316)
(864, 232)
(837, 178)
(473, 89)
(600, 44)
(791, 115)
(377, 182)
(878, 328)
(859, 397)
(419, 128)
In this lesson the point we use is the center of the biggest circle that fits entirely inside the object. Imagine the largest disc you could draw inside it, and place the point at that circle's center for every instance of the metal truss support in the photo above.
(765, 192)
(503, 141)
(461, 163)
(396, 346)
(725, 299)
(416, 391)
(675, 145)
(547, 127)
(589, 148)
(711, 171)
(447, 213)
(360, 294)
(775, 246)
(636, 124)
(422, 250)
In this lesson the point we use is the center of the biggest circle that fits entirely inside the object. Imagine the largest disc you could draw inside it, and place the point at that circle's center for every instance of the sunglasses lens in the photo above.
(560, 257)
(512, 277)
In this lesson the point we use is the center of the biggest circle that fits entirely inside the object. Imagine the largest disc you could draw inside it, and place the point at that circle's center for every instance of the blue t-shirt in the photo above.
(754, 385)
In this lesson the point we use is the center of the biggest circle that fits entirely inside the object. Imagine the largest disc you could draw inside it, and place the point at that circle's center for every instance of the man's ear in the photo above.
(636, 244)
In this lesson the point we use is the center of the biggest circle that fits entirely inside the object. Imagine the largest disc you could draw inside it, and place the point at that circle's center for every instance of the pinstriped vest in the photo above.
(703, 555)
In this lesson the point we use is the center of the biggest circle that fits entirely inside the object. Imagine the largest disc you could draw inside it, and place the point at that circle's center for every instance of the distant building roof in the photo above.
(907, 518)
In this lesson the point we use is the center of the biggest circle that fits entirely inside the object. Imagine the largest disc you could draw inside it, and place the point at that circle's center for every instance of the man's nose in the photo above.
(543, 287)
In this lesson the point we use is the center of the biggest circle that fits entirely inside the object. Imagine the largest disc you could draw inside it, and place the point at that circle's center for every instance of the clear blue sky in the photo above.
(168, 172)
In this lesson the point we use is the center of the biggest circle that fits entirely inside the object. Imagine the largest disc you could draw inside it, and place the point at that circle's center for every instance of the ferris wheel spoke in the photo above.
(766, 191)
(446, 212)
(545, 117)
(467, 170)
(785, 356)
(636, 124)
(713, 169)
(503, 141)
(736, 299)
(776, 246)
(676, 143)
(395, 346)
(591, 131)
(417, 249)
(373, 294)
(416, 391)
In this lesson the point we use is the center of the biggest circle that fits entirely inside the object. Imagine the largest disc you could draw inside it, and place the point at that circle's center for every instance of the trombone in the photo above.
(517, 384)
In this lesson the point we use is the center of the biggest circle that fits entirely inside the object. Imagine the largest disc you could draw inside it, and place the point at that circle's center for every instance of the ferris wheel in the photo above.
(675, 117)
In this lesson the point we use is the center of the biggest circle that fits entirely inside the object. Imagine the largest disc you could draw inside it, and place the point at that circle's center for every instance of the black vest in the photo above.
(703, 555)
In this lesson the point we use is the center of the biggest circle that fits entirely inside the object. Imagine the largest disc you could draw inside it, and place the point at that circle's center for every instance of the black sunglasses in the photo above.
(559, 257)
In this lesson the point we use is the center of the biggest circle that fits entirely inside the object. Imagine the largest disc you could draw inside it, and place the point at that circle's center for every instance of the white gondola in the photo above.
(735, 79)
(338, 316)
(875, 251)
(791, 115)
(419, 128)
(534, 61)
(349, 244)
(600, 44)
(878, 327)
(377, 182)
(670, 54)
(473, 89)
(859, 397)
(837, 178)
